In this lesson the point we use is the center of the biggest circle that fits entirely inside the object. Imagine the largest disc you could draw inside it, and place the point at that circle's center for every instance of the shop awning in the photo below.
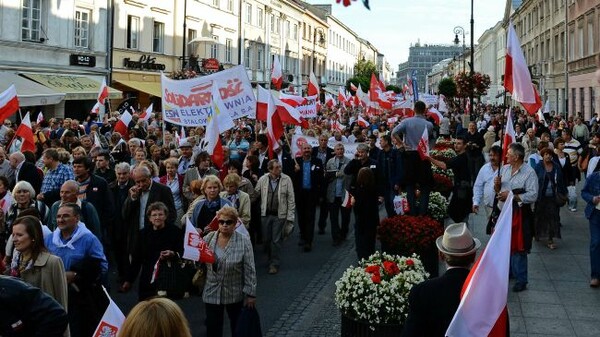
(152, 88)
(30, 93)
(76, 87)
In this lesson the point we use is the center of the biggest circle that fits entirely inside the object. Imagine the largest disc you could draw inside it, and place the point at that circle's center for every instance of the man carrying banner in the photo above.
(522, 180)
(432, 304)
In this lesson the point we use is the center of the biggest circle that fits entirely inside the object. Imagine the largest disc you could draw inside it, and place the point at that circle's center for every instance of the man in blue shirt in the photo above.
(85, 263)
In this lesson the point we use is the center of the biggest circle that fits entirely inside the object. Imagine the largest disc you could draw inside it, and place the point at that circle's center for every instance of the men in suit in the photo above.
(262, 146)
(389, 161)
(308, 178)
(25, 171)
(120, 192)
(6, 168)
(323, 152)
(433, 303)
(141, 195)
(94, 190)
(335, 193)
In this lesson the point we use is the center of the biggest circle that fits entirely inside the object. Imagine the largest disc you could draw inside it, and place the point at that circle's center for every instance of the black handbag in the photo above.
(248, 324)
(174, 278)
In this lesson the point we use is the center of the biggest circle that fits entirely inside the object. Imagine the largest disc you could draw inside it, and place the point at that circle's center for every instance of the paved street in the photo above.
(299, 300)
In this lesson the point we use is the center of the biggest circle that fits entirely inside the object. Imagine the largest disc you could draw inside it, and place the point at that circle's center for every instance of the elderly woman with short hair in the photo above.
(174, 181)
(238, 198)
(205, 209)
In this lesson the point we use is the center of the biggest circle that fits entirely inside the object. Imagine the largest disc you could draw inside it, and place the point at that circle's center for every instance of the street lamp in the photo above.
(460, 30)
(321, 42)
(472, 64)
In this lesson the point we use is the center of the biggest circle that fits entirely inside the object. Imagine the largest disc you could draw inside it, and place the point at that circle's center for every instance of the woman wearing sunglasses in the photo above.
(231, 280)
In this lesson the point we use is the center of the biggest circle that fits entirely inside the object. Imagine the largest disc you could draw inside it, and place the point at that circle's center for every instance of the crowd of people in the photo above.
(89, 199)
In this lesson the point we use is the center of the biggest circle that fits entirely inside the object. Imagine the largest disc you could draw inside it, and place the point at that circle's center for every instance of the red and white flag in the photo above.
(293, 100)
(147, 113)
(9, 102)
(329, 101)
(111, 321)
(6, 202)
(517, 79)
(218, 121)
(122, 126)
(276, 73)
(342, 99)
(435, 115)
(353, 87)
(509, 134)
(347, 202)
(40, 118)
(482, 308)
(274, 125)
(287, 113)
(468, 107)
(26, 133)
(362, 122)
(423, 146)
(194, 246)
(103, 92)
(336, 126)
(313, 85)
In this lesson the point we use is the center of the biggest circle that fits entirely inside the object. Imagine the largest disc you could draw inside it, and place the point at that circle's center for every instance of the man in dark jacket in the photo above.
(323, 152)
(29, 312)
(389, 162)
(308, 179)
(25, 170)
(433, 303)
(120, 191)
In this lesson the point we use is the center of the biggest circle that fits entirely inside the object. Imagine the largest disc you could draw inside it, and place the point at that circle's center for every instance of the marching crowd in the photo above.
(90, 198)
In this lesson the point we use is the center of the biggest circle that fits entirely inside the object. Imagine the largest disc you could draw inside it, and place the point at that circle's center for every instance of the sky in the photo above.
(393, 25)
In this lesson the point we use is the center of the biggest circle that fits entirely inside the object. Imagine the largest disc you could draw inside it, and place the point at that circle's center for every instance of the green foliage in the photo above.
(394, 88)
(363, 81)
(364, 68)
(447, 87)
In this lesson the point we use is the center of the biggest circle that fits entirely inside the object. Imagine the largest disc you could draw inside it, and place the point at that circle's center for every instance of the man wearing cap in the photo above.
(186, 157)
(433, 303)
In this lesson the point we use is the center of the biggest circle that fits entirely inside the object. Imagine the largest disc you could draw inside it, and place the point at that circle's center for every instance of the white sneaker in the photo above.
(573, 209)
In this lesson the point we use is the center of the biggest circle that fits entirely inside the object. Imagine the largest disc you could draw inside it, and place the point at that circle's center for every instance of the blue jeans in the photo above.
(595, 243)
(518, 267)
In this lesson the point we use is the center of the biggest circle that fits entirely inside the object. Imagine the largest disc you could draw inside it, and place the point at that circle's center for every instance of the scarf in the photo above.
(79, 232)
(18, 266)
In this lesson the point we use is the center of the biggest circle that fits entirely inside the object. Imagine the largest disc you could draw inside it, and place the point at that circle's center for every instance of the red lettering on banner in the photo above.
(182, 101)
(234, 88)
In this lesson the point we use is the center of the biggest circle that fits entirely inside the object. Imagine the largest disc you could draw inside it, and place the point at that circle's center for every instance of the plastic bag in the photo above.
(401, 204)
(572, 197)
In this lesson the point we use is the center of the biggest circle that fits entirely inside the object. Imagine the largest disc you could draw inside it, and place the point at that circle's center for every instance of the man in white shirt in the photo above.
(483, 189)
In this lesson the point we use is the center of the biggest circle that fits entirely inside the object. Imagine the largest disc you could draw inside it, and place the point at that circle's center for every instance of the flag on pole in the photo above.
(423, 146)
(194, 246)
(40, 118)
(9, 102)
(509, 134)
(482, 308)
(103, 92)
(122, 126)
(313, 85)
(111, 321)
(517, 79)
(353, 87)
(362, 122)
(347, 202)
(6, 202)
(276, 73)
(26, 133)
(218, 122)
(435, 115)
(147, 113)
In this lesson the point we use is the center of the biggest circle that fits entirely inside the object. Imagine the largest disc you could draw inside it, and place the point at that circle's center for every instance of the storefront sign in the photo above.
(210, 64)
(146, 62)
(189, 102)
(82, 60)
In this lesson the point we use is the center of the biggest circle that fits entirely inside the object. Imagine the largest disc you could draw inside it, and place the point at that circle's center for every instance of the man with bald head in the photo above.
(89, 214)
(26, 171)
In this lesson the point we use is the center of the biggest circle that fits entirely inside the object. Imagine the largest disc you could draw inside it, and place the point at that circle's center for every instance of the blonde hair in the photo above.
(211, 179)
(157, 317)
(232, 179)
(229, 212)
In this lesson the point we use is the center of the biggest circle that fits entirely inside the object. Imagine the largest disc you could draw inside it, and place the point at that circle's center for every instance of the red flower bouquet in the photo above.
(409, 234)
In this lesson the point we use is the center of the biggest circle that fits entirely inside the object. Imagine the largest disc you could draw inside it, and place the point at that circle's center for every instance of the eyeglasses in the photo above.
(7, 124)
(226, 222)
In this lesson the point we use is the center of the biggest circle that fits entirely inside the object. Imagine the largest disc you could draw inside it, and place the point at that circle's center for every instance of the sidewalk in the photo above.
(558, 300)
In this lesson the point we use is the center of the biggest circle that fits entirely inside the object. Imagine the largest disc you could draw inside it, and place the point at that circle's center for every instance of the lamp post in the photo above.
(472, 65)
(321, 41)
(184, 34)
(460, 30)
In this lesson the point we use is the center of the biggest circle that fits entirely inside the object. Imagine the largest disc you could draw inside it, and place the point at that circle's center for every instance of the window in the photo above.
(191, 35)
(590, 35)
(259, 58)
(228, 50)
(31, 20)
(277, 25)
(158, 37)
(214, 48)
(592, 101)
(580, 42)
(133, 31)
(288, 25)
(82, 28)
(249, 13)
(581, 101)
(248, 58)
(571, 45)
(260, 17)
(216, 3)
(295, 32)
(272, 17)
(230, 5)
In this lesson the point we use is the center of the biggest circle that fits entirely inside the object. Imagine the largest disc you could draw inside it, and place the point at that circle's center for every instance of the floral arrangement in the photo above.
(412, 234)
(443, 179)
(442, 143)
(183, 74)
(438, 207)
(478, 84)
(376, 291)
(442, 155)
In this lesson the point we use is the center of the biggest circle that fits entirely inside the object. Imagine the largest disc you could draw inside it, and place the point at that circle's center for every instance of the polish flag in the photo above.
(313, 85)
(293, 100)
(336, 126)
(482, 309)
(111, 321)
(274, 124)
(423, 146)
(6, 202)
(146, 114)
(329, 101)
(468, 107)
(347, 202)
(276, 73)
(122, 125)
(40, 118)
(435, 115)
(218, 121)
(509, 134)
(288, 114)
(9, 102)
(342, 99)
(353, 87)
(194, 246)
(362, 122)
(380, 81)
(517, 79)
(103, 93)
(26, 133)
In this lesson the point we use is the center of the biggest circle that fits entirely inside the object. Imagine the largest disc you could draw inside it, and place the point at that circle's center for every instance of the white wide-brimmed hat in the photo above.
(457, 241)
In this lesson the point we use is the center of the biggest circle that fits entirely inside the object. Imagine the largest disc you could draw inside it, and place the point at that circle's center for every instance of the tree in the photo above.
(447, 87)
(364, 68)
(363, 81)
(396, 89)
(478, 84)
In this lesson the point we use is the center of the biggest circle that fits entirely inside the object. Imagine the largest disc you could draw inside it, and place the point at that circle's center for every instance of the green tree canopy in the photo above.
(447, 87)
(394, 88)
(364, 68)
